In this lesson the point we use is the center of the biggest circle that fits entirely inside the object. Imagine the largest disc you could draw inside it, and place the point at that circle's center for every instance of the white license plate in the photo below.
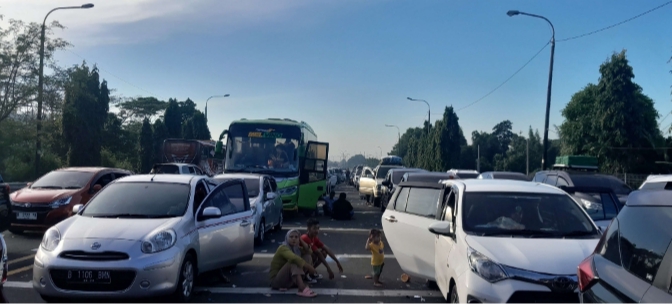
(26, 216)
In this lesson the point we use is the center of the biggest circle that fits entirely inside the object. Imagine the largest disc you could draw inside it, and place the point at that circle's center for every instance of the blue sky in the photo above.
(346, 67)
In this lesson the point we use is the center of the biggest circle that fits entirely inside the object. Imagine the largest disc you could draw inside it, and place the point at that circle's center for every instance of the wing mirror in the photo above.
(444, 228)
(386, 183)
(271, 196)
(77, 208)
(210, 213)
(29, 184)
(97, 188)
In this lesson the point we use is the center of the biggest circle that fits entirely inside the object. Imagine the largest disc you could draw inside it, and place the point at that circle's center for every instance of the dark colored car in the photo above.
(391, 181)
(632, 262)
(504, 175)
(584, 179)
(601, 203)
(5, 207)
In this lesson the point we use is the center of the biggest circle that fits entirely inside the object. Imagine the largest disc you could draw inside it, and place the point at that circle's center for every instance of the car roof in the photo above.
(238, 175)
(186, 179)
(90, 169)
(659, 178)
(174, 164)
(504, 185)
(430, 173)
(422, 185)
(650, 198)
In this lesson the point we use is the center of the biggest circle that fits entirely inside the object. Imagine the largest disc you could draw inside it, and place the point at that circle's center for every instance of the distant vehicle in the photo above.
(657, 182)
(286, 149)
(504, 175)
(427, 177)
(176, 168)
(196, 152)
(465, 174)
(601, 203)
(631, 263)
(391, 160)
(574, 178)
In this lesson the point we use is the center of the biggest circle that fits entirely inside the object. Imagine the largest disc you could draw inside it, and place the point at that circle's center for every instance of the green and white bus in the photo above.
(286, 149)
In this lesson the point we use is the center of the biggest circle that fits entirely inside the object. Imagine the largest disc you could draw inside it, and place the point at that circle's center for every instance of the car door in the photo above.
(405, 228)
(443, 245)
(223, 241)
(313, 174)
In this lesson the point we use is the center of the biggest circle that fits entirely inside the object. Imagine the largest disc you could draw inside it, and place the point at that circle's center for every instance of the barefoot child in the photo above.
(375, 245)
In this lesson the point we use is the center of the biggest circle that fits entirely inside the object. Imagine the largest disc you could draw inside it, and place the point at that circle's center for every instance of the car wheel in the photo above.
(278, 227)
(261, 234)
(453, 295)
(185, 283)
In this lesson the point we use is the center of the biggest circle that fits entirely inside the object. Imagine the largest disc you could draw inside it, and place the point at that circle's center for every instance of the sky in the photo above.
(346, 67)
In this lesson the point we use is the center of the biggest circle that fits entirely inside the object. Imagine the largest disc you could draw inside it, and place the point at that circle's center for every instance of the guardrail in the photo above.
(16, 186)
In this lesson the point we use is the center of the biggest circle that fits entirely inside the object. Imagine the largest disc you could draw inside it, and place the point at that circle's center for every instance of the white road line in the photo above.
(332, 229)
(28, 257)
(326, 292)
(12, 284)
(339, 256)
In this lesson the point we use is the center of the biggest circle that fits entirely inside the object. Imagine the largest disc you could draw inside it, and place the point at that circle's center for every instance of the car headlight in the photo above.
(591, 206)
(484, 267)
(51, 239)
(288, 191)
(159, 241)
(60, 202)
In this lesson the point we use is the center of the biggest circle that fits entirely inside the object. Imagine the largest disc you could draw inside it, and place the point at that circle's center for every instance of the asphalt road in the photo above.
(249, 281)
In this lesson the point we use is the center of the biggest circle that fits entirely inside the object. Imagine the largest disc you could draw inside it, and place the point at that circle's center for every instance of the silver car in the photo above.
(266, 204)
(146, 235)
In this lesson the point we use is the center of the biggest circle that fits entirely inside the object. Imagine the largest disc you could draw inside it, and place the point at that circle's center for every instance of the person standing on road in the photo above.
(376, 246)
(290, 262)
(342, 209)
(320, 250)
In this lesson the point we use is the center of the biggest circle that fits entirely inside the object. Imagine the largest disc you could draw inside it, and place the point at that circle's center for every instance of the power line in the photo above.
(505, 81)
(661, 121)
(615, 25)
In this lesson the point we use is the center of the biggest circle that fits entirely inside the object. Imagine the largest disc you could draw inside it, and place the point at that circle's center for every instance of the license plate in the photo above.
(26, 215)
(89, 277)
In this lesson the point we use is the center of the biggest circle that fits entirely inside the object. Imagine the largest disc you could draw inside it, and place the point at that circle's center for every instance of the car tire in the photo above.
(186, 279)
(261, 235)
(453, 298)
(278, 227)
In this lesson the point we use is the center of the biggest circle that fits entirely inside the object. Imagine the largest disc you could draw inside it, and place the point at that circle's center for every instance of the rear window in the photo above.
(140, 200)
(423, 201)
(165, 169)
(645, 235)
(397, 175)
(657, 186)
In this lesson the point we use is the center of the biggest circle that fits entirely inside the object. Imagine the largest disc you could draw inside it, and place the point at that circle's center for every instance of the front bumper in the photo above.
(141, 275)
(471, 288)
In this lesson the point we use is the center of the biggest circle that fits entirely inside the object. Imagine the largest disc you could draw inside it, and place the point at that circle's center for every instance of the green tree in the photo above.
(187, 109)
(200, 126)
(146, 144)
(188, 129)
(142, 107)
(445, 142)
(502, 131)
(160, 133)
(173, 119)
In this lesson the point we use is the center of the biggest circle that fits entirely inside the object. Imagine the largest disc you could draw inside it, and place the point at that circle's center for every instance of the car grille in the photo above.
(94, 256)
(121, 280)
(34, 207)
(543, 297)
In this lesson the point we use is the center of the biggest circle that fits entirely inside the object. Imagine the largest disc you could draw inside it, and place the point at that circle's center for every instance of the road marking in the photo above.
(339, 256)
(12, 284)
(20, 270)
(325, 291)
(28, 257)
(35, 249)
(332, 229)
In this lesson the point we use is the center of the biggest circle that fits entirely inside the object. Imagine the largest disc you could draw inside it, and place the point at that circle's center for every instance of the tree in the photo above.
(446, 142)
(160, 133)
(173, 119)
(146, 147)
(187, 109)
(188, 129)
(84, 116)
(502, 131)
(200, 126)
(142, 107)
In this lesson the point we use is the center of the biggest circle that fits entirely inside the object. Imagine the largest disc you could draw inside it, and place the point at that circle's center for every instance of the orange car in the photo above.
(49, 200)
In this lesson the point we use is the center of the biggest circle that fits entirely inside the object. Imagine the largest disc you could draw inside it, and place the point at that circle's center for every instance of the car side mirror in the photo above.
(210, 213)
(29, 184)
(271, 196)
(386, 183)
(77, 208)
(97, 188)
(444, 228)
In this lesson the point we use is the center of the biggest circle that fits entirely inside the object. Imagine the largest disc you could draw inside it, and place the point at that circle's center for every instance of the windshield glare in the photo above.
(140, 200)
(507, 213)
(63, 180)
(382, 171)
(263, 149)
(252, 185)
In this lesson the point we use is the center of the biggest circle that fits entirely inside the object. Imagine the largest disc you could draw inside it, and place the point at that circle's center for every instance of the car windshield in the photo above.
(165, 169)
(252, 185)
(63, 180)
(524, 214)
(140, 200)
(271, 149)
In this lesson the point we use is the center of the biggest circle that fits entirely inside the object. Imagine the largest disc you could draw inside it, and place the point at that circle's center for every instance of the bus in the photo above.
(286, 149)
(192, 151)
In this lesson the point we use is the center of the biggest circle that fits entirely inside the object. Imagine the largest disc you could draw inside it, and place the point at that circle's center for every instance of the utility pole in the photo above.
(478, 159)
(527, 153)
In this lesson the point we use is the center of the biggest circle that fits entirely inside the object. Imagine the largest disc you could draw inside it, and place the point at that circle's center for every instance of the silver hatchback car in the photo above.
(146, 235)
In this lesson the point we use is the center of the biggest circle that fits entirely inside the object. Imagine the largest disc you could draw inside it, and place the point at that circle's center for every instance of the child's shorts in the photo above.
(377, 269)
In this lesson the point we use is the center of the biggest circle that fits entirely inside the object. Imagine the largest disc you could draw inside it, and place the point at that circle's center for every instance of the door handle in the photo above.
(391, 219)
(245, 223)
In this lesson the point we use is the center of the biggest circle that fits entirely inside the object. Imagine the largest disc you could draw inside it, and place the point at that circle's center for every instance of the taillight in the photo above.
(586, 274)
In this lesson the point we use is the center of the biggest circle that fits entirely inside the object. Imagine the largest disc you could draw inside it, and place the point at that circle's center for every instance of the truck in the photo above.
(192, 151)
(286, 149)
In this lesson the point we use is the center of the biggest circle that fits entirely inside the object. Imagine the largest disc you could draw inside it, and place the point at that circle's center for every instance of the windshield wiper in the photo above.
(47, 187)
(576, 233)
(523, 232)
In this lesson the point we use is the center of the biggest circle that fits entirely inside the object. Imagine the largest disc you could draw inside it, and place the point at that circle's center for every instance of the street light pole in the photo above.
(381, 151)
(544, 160)
(40, 85)
(398, 136)
(206, 103)
(429, 111)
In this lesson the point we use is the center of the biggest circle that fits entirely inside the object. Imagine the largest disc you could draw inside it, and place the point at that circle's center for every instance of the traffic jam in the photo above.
(569, 234)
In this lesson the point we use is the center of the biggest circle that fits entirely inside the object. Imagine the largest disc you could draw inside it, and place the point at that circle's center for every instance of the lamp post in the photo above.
(429, 111)
(398, 136)
(40, 85)
(544, 160)
(381, 151)
(206, 103)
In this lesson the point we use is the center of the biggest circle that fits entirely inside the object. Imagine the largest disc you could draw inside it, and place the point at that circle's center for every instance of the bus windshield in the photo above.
(263, 148)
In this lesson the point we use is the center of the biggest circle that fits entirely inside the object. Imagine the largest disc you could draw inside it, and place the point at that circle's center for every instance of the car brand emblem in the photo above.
(563, 283)
(95, 246)
(27, 205)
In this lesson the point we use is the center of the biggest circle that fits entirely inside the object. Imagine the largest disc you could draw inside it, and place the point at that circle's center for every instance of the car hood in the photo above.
(551, 256)
(36, 196)
(84, 227)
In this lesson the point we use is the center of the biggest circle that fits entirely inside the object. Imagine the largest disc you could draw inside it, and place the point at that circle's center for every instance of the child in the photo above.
(375, 245)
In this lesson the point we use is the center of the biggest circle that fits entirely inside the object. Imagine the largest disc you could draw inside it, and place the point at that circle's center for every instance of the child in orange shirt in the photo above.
(376, 246)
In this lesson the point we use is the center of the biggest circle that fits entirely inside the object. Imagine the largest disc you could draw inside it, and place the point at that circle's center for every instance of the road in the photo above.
(249, 281)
